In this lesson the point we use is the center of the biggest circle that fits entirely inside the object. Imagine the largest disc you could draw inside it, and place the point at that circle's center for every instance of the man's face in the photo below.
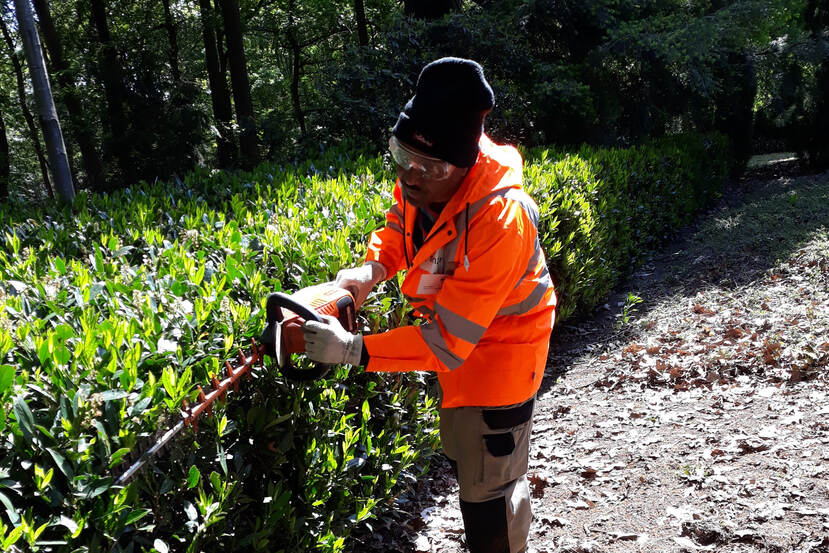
(420, 186)
(422, 192)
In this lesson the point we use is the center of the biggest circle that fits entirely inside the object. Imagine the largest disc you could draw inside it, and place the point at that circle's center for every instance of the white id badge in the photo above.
(430, 284)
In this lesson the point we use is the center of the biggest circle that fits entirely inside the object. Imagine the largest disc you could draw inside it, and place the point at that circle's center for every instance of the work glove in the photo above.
(328, 342)
(360, 280)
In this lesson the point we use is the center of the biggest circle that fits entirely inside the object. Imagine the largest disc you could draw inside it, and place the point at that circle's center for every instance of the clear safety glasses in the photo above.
(430, 168)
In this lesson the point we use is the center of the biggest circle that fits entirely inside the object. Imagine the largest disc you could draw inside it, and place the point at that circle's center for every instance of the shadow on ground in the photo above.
(762, 218)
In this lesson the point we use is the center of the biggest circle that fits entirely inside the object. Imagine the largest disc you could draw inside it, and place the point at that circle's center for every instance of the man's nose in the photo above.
(413, 176)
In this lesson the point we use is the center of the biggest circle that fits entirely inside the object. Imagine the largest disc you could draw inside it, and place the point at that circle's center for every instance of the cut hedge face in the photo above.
(602, 209)
(112, 313)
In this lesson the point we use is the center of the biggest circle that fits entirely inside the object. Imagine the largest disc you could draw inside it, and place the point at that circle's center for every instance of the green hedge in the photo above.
(602, 209)
(111, 313)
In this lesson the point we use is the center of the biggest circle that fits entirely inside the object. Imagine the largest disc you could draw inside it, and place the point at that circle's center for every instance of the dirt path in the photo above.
(695, 419)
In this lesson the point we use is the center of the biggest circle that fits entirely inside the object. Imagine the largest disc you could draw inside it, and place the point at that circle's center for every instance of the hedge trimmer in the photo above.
(281, 338)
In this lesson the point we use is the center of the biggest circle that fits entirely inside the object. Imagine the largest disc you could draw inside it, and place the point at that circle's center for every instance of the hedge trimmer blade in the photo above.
(135, 467)
(281, 337)
(190, 413)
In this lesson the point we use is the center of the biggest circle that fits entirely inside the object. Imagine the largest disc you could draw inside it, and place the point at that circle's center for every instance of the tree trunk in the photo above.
(24, 108)
(172, 35)
(5, 167)
(219, 97)
(296, 69)
(221, 51)
(78, 127)
(362, 25)
(110, 74)
(817, 21)
(240, 82)
(48, 115)
(296, 53)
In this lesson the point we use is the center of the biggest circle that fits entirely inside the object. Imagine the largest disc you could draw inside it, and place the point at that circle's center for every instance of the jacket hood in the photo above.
(498, 167)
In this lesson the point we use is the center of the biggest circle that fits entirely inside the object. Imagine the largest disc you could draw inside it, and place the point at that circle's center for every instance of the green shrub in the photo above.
(601, 209)
(112, 312)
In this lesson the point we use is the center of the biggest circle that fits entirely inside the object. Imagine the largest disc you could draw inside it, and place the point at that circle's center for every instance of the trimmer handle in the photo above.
(278, 300)
(272, 336)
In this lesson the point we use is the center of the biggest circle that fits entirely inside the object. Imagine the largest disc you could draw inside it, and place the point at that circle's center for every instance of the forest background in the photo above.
(150, 89)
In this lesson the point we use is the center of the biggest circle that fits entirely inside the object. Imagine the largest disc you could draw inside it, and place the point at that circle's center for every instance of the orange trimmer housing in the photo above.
(324, 300)
(286, 314)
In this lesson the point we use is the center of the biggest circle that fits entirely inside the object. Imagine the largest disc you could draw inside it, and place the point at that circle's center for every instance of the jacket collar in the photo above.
(483, 178)
(491, 172)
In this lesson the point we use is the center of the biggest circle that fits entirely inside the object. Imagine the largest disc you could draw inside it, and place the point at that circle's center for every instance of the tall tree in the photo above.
(172, 36)
(5, 168)
(34, 136)
(79, 128)
(240, 82)
(219, 95)
(48, 115)
(362, 25)
(296, 67)
(111, 76)
(817, 23)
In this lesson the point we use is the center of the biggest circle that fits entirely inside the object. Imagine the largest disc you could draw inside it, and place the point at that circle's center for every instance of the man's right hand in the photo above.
(360, 280)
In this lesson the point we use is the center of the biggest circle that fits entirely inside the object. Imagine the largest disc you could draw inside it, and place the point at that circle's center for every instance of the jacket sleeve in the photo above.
(386, 244)
(501, 244)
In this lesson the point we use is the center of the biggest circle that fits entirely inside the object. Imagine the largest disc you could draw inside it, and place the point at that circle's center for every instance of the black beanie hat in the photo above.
(445, 117)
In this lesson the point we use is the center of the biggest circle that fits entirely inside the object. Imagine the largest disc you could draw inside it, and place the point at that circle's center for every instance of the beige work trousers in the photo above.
(489, 450)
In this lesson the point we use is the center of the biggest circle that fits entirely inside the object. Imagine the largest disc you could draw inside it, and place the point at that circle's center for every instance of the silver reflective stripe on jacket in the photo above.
(531, 301)
(526, 202)
(533, 263)
(459, 326)
(437, 343)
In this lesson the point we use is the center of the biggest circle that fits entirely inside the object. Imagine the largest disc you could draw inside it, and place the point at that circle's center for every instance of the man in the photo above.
(466, 234)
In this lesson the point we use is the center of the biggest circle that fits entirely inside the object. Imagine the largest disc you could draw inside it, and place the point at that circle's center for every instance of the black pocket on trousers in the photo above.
(499, 419)
(500, 445)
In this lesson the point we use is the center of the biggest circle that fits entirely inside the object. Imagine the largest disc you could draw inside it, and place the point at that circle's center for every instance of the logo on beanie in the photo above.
(421, 138)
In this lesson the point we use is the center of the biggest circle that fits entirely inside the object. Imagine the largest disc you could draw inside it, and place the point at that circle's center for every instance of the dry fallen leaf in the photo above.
(771, 352)
(588, 472)
(734, 333)
(581, 504)
(700, 310)
(554, 522)
(537, 485)
(624, 536)
(633, 348)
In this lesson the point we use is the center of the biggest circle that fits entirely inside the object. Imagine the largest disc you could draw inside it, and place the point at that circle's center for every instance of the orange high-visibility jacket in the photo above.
(479, 281)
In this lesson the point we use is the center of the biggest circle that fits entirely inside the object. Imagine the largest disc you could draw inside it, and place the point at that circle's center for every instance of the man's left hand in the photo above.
(328, 342)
